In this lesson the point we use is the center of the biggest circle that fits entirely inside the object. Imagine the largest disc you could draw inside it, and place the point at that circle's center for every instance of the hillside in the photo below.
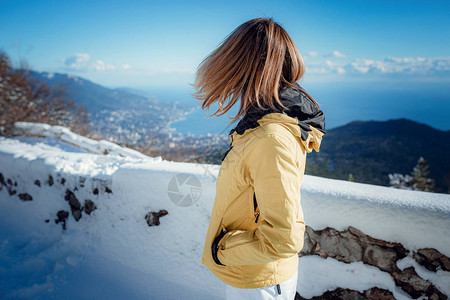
(122, 115)
(370, 150)
(95, 96)
(85, 219)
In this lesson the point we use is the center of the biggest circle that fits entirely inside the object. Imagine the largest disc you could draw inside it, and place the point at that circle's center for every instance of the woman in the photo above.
(257, 227)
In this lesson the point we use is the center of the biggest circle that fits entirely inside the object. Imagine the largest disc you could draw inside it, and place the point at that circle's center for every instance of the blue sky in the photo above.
(160, 43)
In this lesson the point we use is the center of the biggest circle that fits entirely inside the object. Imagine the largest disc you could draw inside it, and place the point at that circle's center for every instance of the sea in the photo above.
(342, 103)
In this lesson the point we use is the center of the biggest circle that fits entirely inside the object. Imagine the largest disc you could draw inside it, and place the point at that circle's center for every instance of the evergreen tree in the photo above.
(421, 174)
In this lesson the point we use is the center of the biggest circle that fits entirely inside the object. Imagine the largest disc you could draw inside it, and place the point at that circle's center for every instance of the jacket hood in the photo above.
(302, 118)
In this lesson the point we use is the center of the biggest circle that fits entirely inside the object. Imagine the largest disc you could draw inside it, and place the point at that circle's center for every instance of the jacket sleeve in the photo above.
(277, 179)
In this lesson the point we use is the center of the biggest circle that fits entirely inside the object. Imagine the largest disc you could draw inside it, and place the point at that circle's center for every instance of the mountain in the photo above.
(370, 150)
(95, 96)
(124, 115)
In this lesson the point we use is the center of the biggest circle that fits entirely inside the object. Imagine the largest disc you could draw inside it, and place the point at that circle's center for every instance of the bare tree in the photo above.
(32, 100)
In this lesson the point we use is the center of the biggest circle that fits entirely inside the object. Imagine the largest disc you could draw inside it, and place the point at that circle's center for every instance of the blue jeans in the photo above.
(287, 288)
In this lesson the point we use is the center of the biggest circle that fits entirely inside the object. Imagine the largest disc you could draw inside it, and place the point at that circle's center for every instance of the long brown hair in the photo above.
(253, 62)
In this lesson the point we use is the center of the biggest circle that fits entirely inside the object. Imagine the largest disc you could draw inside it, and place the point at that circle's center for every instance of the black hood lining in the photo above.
(299, 105)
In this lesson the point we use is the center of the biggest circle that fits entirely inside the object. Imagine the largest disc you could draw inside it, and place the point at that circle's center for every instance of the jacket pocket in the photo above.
(256, 211)
(215, 244)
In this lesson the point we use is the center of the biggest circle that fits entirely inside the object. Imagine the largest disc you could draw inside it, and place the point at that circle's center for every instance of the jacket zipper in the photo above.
(255, 205)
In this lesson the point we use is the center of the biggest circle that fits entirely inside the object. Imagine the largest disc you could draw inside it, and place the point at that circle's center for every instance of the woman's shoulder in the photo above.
(272, 135)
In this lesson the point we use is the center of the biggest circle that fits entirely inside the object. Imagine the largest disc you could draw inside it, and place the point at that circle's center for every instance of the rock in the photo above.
(152, 217)
(47, 220)
(89, 206)
(347, 294)
(50, 180)
(352, 245)
(2, 179)
(416, 286)
(63, 180)
(37, 182)
(95, 191)
(9, 181)
(76, 213)
(73, 201)
(25, 197)
(437, 294)
(74, 204)
(432, 259)
(377, 293)
(62, 217)
(108, 190)
(411, 283)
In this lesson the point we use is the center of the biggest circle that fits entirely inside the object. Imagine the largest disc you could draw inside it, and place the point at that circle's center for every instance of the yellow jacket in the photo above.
(257, 227)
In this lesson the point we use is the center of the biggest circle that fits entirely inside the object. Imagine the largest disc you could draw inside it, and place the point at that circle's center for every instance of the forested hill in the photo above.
(370, 150)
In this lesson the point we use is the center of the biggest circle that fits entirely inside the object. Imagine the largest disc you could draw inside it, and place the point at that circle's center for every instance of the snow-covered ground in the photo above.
(113, 254)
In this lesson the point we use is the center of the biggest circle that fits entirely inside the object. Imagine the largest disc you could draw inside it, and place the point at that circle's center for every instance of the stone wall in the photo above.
(352, 245)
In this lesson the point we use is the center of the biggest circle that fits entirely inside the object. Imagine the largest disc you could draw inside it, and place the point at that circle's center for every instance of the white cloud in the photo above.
(316, 70)
(327, 67)
(330, 64)
(335, 54)
(389, 65)
(84, 62)
(403, 65)
(309, 55)
(338, 54)
(341, 70)
(77, 61)
(362, 65)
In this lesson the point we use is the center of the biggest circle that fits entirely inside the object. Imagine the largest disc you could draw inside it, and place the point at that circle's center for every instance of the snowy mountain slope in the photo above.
(112, 253)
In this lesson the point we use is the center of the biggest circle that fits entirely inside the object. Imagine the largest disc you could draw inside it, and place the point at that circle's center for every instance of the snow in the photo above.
(114, 254)
(415, 219)
(440, 279)
(65, 135)
(319, 275)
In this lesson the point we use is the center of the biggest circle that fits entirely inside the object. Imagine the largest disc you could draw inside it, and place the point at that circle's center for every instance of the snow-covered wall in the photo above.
(66, 135)
(415, 219)
(113, 252)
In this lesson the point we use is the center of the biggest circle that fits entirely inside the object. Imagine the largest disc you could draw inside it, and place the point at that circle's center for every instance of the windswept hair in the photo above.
(253, 62)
